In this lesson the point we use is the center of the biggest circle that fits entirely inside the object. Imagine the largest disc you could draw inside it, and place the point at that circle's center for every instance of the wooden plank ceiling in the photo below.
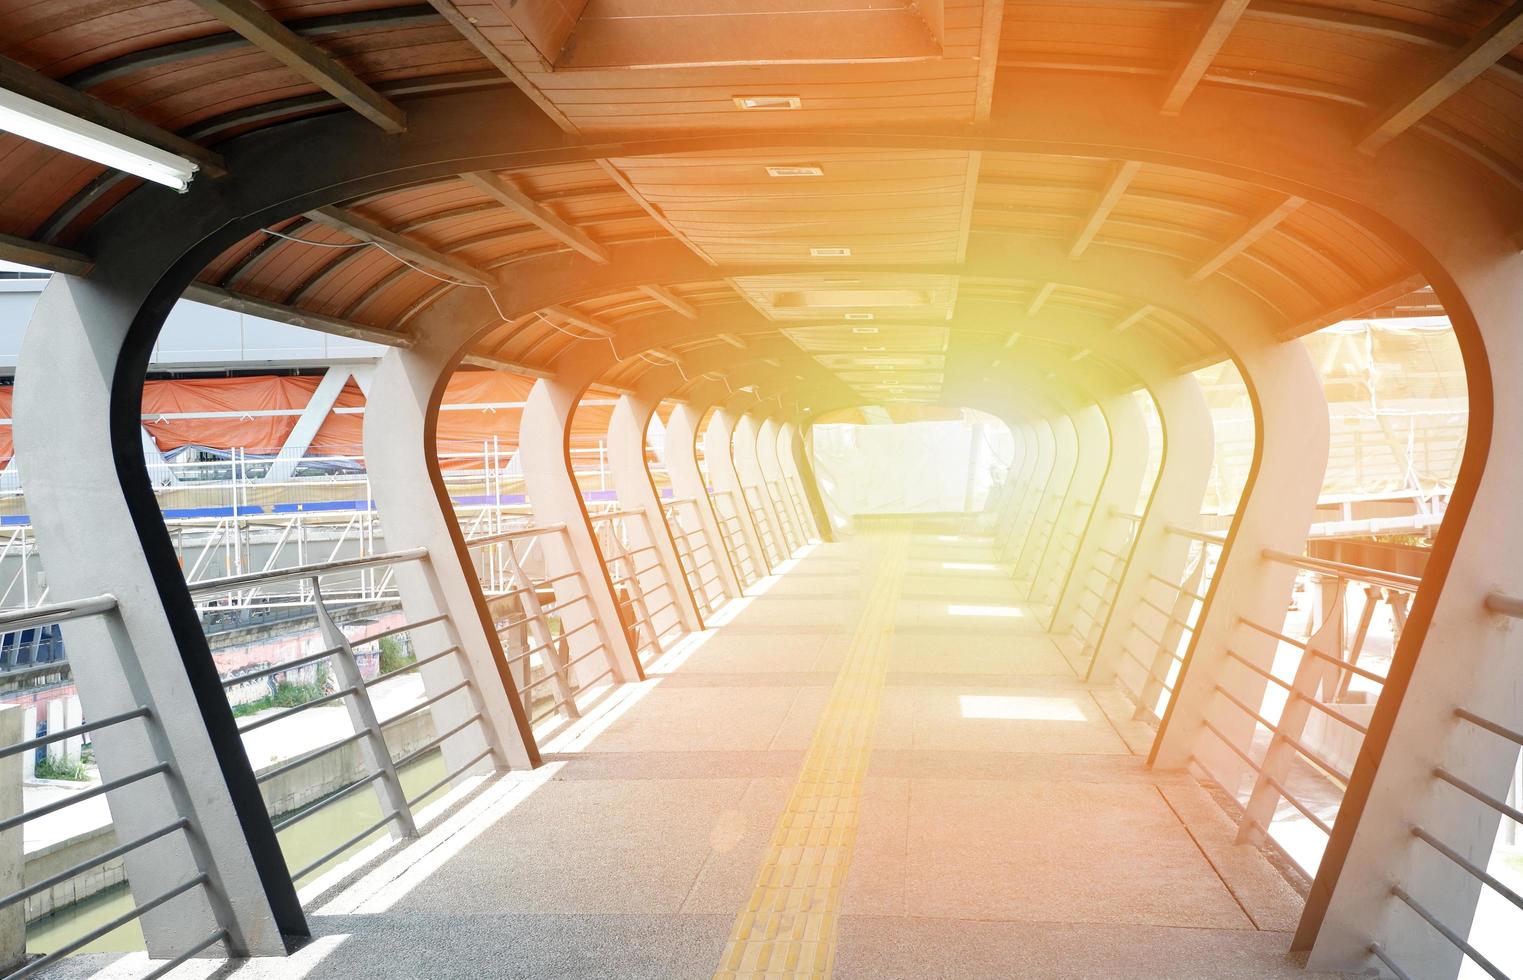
(783, 229)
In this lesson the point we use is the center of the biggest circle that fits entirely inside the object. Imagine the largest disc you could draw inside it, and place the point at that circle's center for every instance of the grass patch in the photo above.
(286, 695)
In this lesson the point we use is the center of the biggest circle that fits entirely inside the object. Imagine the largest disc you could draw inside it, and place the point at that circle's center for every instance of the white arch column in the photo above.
(749, 472)
(148, 650)
(718, 442)
(779, 494)
(1093, 450)
(1275, 513)
(793, 455)
(687, 482)
(556, 499)
(1023, 437)
(1126, 435)
(1183, 475)
(400, 414)
(627, 425)
(1048, 502)
(1043, 446)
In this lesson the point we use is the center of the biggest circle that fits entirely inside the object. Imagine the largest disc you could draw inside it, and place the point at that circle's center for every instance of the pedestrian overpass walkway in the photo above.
(877, 765)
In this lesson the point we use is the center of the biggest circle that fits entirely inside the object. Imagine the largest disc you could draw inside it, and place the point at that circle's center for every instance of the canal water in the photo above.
(302, 843)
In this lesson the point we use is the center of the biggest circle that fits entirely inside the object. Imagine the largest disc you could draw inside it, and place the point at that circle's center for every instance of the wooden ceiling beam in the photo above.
(1495, 41)
(624, 183)
(1221, 18)
(542, 217)
(1040, 299)
(227, 299)
(580, 320)
(49, 257)
(498, 364)
(492, 53)
(1255, 231)
(670, 300)
(732, 340)
(408, 249)
(1132, 319)
(306, 59)
(18, 78)
(988, 58)
(1110, 194)
(1362, 303)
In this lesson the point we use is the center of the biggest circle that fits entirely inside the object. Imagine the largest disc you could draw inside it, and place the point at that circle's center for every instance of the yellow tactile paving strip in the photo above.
(788, 927)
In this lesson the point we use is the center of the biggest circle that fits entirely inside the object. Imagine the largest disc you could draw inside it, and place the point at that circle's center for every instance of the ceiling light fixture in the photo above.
(767, 101)
(796, 170)
(41, 123)
(864, 329)
(831, 252)
(861, 316)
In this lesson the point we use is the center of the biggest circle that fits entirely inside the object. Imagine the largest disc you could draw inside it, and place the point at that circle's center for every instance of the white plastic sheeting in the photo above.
(887, 467)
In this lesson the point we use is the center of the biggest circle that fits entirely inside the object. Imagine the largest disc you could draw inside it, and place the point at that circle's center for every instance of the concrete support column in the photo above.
(779, 494)
(1047, 502)
(400, 415)
(78, 399)
(687, 481)
(631, 481)
(1184, 472)
(556, 499)
(1037, 474)
(1093, 448)
(719, 452)
(793, 454)
(1128, 457)
(748, 470)
(1276, 512)
(1455, 652)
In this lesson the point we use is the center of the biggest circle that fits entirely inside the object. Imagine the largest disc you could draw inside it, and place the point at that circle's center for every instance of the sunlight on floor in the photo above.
(1003, 612)
(1008, 707)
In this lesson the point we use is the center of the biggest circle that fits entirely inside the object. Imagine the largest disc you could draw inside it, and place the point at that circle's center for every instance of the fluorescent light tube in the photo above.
(44, 124)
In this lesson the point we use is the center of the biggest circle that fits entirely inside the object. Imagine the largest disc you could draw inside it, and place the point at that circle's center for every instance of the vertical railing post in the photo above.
(687, 481)
(539, 631)
(374, 752)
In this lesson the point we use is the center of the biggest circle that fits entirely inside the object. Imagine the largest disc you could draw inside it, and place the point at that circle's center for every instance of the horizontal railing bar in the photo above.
(409, 668)
(234, 582)
(80, 797)
(1275, 634)
(1507, 605)
(1356, 573)
(1384, 957)
(164, 969)
(1480, 874)
(1202, 536)
(1347, 665)
(1512, 813)
(435, 742)
(1176, 587)
(94, 861)
(608, 515)
(1233, 746)
(446, 780)
(426, 702)
(281, 667)
(312, 756)
(296, 709)
(298, 875)
(1321, 824)
(558, 606)
(136, 912)
(63, 733)
(393, 631)
(1240, 705)
(545, 646)
(57, 612)
(513, 535)
(1454, 938)
(1260, 671)
(1490, 726)
(1337, 715)
(327, 801)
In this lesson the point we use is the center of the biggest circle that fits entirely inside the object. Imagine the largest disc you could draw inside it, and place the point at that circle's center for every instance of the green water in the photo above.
(301, 843)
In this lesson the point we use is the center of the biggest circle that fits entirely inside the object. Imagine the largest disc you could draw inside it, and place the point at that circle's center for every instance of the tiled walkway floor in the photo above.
(1007, 827)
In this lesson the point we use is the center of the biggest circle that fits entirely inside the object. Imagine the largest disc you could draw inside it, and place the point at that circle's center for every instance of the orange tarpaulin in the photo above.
(237, 402)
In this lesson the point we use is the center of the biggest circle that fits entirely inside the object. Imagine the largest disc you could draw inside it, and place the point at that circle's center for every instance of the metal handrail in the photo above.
(58, 612)
(513, 535)
(272, 576)
(63, 733)
(608, 515)
(1202, 536)
(1507, 605)
(1354, 573)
